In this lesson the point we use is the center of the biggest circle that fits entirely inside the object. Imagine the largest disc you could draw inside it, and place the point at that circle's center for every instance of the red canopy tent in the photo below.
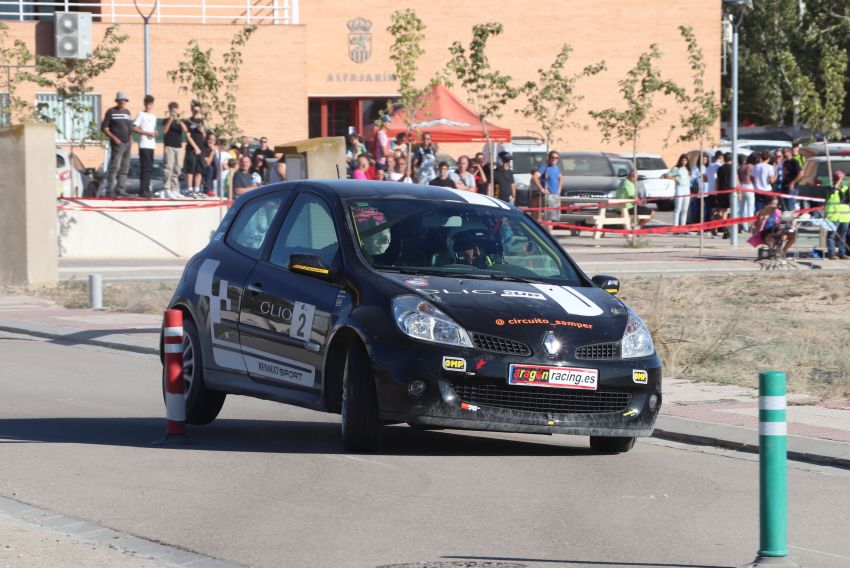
(447, 119)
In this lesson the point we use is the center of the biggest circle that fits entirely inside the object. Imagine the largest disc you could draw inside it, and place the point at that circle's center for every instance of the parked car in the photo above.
(759, 146)
(818, 149)
(816, 180)
(71, 176)
(528, 153)
(587, 174)
(650, 168)
(134, 180)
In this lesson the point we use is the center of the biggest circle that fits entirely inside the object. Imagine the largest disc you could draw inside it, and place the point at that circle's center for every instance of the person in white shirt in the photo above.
(764, 176)
(710, 179)
(145, 127)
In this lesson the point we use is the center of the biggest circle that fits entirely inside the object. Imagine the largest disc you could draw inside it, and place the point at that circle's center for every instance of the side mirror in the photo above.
(607, 283)
(310, 265)
(641, 177)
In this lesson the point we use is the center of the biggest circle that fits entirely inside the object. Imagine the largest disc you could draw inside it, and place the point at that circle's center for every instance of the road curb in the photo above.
(808, 450)
(67, 337)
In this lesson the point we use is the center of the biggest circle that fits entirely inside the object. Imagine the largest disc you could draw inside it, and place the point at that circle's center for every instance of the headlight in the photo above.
(422, 320)
(636, 340)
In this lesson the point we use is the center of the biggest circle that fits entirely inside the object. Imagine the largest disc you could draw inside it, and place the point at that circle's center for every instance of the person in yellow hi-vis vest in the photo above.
(837, 210)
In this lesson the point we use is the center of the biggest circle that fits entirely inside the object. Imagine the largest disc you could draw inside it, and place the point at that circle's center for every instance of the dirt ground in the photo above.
(722, 328)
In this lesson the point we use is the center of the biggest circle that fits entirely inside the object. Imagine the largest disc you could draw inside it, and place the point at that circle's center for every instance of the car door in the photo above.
(286, 316)
(221, 276)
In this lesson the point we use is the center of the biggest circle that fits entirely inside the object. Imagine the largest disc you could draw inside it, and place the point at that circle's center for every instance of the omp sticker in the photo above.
(640, 377)
(284, 370)
(302, 321)
(454, 364)
(571, 301)
(522, 294)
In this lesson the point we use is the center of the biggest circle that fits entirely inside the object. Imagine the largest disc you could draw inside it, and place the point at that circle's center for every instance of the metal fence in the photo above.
(258, 12)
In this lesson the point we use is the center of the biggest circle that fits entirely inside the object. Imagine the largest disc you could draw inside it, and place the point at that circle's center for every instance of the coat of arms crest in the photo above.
(359, 39)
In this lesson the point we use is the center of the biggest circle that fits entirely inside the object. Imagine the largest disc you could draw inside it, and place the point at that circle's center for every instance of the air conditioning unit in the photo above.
(72, 35)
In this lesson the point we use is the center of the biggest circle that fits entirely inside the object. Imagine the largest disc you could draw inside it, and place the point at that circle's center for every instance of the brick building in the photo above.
(316, 67)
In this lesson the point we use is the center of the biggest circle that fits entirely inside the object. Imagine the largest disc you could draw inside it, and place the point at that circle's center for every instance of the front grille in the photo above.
(599, 351)
(500, 345)
(542, 399)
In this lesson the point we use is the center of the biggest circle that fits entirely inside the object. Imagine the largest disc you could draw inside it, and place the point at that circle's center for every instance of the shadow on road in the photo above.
(271, 436)
(587, 562)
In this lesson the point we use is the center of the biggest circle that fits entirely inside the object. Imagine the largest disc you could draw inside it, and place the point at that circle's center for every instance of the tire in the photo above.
(362, 429)
(202, 404)
(611, 445)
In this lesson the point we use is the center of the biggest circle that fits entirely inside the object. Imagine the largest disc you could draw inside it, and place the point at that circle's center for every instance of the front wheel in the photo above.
(202, 404)
(362, 429)
(611, 445)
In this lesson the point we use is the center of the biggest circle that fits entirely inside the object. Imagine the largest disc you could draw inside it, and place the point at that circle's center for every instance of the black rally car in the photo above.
(389, 303)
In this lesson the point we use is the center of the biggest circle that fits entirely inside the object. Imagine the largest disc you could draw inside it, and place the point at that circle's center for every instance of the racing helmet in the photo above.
(490, 251)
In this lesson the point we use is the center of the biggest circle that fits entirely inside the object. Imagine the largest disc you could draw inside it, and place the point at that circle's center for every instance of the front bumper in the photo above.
(480, 397)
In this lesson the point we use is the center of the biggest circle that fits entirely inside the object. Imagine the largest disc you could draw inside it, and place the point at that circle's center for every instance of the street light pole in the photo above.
(146, 18)
(733, 238)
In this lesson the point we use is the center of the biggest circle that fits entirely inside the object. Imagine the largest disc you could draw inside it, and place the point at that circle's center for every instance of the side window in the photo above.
(307, 229)
(251, 226)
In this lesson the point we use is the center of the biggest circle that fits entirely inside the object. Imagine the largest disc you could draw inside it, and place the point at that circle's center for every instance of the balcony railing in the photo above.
(257, 12)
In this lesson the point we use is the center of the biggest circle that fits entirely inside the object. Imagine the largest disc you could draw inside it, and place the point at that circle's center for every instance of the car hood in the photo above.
(517, 309)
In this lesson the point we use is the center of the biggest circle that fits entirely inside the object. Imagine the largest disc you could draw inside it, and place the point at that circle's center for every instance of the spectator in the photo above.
(791, 174)
(243, 179)
(280, 168)
(390, 167)
(424, 160)
(382, 144)
(768, 225)
(724, 185)
(145, 125)
(697, 188)
(462, 178)
(227, 172)
(837, 211)
(547, 180)
(401, 172)
(503, 179)
(778, 158)
(234, 151)
(710, 178)
(399, 144)
(173, 129)
(117, 125)
(763, 177)
(747, 200)
(194, 161)
(681, 176)
(259, 166)
(245, 147)
(362, 170)
(212, 164)
(626, 190)
(443, 179)
(477, 170)
(795, 150)
(264, 149)
(354, 148)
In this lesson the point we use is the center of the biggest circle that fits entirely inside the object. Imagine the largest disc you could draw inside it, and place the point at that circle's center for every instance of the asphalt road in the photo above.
(267, 484)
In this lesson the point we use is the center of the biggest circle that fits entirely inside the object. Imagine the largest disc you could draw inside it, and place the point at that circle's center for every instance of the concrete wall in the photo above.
(135, 229)
(28, 205)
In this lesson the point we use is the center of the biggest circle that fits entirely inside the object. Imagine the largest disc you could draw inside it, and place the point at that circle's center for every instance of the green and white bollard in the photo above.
(773, 482)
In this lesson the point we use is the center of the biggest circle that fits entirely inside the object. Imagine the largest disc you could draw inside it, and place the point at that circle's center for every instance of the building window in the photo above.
(5, 116)
(27, 9)
(72, 125)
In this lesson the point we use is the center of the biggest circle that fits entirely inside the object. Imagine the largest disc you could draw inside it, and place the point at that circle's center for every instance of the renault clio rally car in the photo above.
(393, 303)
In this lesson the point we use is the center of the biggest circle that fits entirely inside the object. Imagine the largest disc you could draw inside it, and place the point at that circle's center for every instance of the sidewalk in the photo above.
(696, 413)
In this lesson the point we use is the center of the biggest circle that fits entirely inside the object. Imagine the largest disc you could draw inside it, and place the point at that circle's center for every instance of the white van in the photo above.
(528, 153)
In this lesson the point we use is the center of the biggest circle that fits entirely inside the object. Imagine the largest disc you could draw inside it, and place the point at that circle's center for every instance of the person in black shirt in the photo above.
(443, 180)
(503, 179)
(263, 149)
(173, 129)
(791, 174)
(118, 125)
(194, 162)
(724, 183)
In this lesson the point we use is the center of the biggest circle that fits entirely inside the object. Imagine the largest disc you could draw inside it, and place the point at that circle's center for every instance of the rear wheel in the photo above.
(202, 404)
(611, 445)
(362, 429)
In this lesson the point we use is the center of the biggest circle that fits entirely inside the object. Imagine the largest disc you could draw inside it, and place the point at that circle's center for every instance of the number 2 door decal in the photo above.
(301, 324)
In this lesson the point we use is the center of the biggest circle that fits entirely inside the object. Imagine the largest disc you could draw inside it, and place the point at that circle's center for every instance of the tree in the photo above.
(487, 90)
(701, 110)
(640, 87)
(551, 99)
(70, 79)
(824, 96)
(408, 31)
(214, 85)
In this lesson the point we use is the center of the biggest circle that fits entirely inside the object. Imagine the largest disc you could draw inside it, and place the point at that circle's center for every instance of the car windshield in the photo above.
(586, 166)
(524, 162)
(651, 164)
(447, 238)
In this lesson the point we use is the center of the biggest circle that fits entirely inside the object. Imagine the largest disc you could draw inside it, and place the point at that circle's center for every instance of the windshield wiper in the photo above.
(410, 270)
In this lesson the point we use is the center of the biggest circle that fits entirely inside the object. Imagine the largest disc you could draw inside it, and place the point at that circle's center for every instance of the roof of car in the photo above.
(347, 189)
